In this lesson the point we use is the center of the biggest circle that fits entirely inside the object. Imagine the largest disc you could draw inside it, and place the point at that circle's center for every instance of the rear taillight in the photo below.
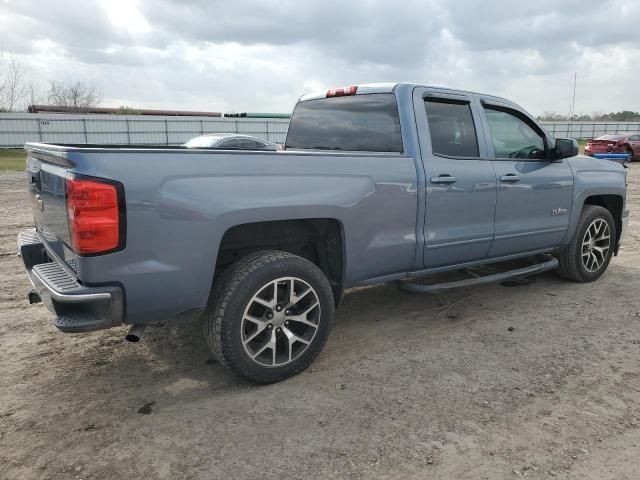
(342, 92)
(94, 214)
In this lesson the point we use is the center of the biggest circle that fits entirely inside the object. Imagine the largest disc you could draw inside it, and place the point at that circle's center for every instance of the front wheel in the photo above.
(269, 316)
(588, 254)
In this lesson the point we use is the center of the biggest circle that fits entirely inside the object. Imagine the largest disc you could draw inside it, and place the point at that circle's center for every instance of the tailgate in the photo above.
(46, 174)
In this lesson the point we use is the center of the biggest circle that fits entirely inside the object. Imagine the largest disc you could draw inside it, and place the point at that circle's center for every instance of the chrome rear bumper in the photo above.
(77, 307)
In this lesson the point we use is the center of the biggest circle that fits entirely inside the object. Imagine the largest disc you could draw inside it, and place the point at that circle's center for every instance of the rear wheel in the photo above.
(269, 316)
(630, 152)
(588, 254)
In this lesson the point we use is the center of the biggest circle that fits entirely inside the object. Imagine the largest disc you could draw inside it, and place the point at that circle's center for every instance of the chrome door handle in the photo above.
(511, 177)
(444, 178)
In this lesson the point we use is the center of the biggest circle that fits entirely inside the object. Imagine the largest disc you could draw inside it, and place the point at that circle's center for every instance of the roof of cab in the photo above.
(367, 88)
(363, 89)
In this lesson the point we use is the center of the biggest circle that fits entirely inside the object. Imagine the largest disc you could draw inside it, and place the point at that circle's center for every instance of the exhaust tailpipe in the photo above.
(135, 333)
(34, 297)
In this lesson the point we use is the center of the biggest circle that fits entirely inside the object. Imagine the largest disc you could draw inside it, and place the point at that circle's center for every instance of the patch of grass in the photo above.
(12, 159)
(582, 142)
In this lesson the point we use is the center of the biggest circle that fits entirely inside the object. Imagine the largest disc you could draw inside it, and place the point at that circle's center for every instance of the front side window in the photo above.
(453, 133)
(513, 137)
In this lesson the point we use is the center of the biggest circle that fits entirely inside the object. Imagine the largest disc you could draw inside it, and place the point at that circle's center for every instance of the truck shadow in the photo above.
(183, 350)
(173, 365)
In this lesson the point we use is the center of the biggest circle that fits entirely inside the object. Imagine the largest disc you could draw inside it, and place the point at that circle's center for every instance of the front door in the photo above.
(460, 181)
(535, 192)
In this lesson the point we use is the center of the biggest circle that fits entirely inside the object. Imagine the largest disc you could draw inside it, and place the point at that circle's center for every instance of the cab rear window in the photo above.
(610, 137)
(358, 123)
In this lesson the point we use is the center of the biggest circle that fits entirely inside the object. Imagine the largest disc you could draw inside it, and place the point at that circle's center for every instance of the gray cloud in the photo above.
(260, 55)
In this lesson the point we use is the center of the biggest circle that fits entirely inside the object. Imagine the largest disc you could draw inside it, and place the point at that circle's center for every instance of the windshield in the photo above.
(360, 123)
(203, 141)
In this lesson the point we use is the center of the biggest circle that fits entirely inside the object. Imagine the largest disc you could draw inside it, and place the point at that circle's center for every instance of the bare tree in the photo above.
(33, 94)
(77, 96)
(12, 88)
(2, 80)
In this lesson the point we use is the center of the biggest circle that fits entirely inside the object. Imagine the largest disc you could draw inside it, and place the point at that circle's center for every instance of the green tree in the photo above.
(126, 110)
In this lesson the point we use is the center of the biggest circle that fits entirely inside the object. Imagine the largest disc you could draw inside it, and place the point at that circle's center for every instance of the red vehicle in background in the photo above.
(614, 143)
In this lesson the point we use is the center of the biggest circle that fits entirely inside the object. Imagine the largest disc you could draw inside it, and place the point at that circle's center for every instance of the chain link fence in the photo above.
(18, 128)
(589, 129)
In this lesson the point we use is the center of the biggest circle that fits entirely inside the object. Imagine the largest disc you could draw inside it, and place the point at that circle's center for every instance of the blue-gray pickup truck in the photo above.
(376, 183)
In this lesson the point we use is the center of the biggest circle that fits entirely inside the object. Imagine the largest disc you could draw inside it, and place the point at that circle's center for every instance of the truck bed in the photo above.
(180, 203)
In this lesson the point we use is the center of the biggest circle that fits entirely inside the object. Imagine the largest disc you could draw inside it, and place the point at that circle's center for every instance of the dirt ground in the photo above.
(537, 381)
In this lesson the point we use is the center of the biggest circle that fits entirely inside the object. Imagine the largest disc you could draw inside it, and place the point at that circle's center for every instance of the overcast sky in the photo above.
(260, 56)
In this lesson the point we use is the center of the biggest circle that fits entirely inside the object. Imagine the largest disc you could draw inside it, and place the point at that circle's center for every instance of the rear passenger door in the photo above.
(460, 181)
(535, 191)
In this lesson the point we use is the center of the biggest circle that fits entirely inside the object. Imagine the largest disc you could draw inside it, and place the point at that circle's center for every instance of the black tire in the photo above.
(571, 260)
(231, 296)
(630, 152)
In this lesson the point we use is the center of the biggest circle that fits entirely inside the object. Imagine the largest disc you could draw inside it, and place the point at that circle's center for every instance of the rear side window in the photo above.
(453, 133)
(357, 123)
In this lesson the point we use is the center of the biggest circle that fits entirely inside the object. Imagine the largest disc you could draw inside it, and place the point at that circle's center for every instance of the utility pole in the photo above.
(573, 102)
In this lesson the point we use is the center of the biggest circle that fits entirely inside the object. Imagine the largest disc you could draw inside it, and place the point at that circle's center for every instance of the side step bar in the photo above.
(550, 264)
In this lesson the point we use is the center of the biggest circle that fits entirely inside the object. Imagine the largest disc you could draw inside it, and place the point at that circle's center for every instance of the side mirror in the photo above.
(566, 147)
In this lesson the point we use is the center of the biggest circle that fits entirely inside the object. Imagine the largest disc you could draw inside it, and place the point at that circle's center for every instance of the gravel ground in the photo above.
(537, 381)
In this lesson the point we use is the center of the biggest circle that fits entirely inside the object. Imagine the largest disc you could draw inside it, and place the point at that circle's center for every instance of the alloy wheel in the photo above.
(280, 322)
(595, 245)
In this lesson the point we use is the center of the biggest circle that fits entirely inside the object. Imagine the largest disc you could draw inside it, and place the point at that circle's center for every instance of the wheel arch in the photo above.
(319, 240)
(613, 203)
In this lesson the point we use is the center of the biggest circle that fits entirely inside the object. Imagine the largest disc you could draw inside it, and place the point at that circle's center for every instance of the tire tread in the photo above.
(219, 338)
